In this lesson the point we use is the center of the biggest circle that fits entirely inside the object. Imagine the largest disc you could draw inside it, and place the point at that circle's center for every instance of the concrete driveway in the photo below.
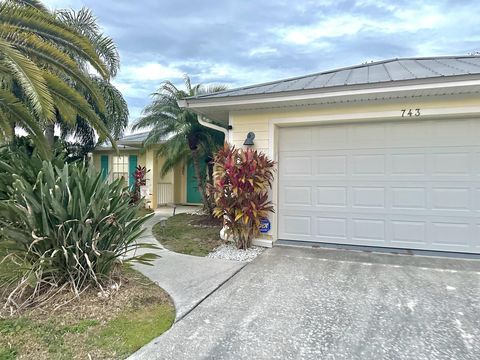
(303, 303)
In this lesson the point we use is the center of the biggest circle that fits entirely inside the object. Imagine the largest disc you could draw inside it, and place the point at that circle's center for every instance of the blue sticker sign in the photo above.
(265, 225)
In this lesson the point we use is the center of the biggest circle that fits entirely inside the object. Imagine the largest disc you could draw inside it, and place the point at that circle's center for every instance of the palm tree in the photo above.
(116, 112)
(39, 62)
(186, 138)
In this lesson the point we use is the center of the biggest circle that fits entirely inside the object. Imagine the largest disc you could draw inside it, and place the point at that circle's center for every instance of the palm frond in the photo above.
(212, 88)
(61, 90)
(46, 26)
(175, 151)
(86, 24)
(50, 55)
(33, 3)
(116, 113)
(30, 78)
(15, 112)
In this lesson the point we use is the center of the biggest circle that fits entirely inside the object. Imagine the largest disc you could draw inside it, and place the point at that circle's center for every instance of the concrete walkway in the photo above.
(304, 303)
(188, 279)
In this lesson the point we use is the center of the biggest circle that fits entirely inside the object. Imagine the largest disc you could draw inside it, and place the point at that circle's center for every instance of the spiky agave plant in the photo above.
(67, 229)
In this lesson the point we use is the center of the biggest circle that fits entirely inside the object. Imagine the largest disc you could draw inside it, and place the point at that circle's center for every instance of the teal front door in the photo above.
(193, 195)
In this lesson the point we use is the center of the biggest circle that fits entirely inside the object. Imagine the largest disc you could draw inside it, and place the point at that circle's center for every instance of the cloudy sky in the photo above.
(242, 42)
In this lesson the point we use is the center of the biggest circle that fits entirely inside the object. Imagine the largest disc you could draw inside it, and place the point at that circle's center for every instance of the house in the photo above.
(179, 186)
(383, 154)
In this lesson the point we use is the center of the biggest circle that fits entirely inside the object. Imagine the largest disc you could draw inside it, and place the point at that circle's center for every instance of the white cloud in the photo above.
(150, 71)
(262, 51)
(63, 4)
(132, 89)
(428, 17)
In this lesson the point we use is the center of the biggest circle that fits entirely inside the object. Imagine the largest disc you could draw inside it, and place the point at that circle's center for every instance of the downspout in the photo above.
(201, 119)
(212, 126)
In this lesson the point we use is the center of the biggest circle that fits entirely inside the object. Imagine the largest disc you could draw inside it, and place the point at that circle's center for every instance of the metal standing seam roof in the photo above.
(134, 138)
(369, 73)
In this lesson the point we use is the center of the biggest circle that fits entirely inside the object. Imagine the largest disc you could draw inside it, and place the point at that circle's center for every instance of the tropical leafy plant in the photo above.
(41, 74)
(140, 179)
(184, 138)
(65, 227)
(242, 181)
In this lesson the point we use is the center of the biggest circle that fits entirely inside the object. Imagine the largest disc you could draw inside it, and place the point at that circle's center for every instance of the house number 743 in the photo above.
(410, 112)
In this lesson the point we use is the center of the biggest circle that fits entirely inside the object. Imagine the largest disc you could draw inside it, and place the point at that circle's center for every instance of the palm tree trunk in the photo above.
(210, 171)
(201, 182)
(50, 134)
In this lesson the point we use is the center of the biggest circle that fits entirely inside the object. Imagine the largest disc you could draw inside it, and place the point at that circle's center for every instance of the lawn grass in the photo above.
(110, 328)
(143, 211)
(189, 234)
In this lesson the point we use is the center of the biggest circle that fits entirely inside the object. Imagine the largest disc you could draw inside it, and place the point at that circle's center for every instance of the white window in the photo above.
(120, 167)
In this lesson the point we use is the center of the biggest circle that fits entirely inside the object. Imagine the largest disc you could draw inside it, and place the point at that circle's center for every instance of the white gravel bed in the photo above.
(230, 252)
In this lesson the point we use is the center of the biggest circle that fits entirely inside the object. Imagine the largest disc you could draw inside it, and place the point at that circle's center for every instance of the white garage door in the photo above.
(395, 184)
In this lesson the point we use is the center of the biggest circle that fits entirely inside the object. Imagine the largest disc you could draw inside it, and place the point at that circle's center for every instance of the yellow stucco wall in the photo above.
(180, 186)
(258, 121)
(264, 122)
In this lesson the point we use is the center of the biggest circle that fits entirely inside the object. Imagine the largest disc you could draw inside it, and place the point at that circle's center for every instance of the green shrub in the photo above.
(65, 225)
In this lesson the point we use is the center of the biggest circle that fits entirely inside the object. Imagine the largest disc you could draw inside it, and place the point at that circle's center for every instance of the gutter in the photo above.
(207, 124)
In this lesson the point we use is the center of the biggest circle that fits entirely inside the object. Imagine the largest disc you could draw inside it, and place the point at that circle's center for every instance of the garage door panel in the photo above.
(408, 198)
(368, 229)
(451, 163)
(476, 237)
(408, 233)
(408, 164)
(328, 196)
(298, 195)
(297, 227)
(329, 228)
(367, 164)
(368, 197)
(450, 198)
(297, 165)
(414, 192)
(456, 132)
(409, 133)
(330, 165)
(451, 234)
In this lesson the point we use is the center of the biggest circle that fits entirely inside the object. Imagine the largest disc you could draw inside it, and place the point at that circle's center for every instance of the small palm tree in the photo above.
(37, 70)
(186, 138)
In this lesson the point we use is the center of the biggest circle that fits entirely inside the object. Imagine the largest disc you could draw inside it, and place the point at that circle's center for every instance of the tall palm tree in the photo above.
(38, 64)
(186, 138)
(115, 116)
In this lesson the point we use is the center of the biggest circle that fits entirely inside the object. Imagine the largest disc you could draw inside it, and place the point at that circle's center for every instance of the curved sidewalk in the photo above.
(188, 279)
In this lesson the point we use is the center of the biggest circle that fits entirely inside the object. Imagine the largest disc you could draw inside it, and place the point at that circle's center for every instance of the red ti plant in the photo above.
(140, 180)
(242, 180)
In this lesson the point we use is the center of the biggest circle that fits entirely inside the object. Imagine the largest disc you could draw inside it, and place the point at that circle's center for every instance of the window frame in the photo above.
(120, 165)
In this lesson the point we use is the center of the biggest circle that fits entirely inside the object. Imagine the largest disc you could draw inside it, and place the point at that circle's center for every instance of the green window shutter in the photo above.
(132, 165)
(104, 166)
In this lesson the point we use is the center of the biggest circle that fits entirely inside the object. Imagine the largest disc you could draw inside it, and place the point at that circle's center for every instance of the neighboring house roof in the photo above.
(369, 73)
(138, 138)
(128, 142)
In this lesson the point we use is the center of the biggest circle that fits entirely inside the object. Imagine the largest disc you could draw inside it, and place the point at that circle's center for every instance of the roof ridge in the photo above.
(357, 66)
